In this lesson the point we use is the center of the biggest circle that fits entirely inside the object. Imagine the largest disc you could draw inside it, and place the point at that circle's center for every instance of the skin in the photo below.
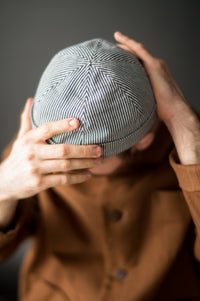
(42, 166)
(172, 108)
(110, 164)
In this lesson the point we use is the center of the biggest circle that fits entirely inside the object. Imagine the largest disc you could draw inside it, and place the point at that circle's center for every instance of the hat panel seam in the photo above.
(73, 52)
(102, 120)
(151, 115)
(125, 86)
(53, 90)
(78, 50)
(111, 106)
(124, 90)
(87, 93)
(136, 130)
(127, 90)
(117, 58)
(57, 84)
(122, 98)
(106, 60)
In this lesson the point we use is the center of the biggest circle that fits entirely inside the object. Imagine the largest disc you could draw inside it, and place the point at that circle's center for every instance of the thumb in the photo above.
(25, 124)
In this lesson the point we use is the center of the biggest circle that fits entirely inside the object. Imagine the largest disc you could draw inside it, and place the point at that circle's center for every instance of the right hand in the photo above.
(33, 165)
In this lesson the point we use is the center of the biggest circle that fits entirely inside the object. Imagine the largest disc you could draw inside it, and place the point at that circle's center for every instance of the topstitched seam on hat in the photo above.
(111, 96)
(125, 137)
(130, 134)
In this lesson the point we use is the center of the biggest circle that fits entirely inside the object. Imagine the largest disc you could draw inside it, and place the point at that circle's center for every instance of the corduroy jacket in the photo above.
(133, 235)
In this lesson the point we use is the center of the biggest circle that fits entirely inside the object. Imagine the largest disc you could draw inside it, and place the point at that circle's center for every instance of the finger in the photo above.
(56, 166)
(25, 125)
(126, 48)
(52, 128)
(138, 48)
(60, 151)
(65, 179)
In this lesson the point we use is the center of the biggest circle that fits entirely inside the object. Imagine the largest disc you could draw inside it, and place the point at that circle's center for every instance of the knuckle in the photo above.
(66, 165)
(36, 181)
(32, 169)
(140, 46)
(46, 129)
(87, 151)
(65, 179)
(29, 154)
(63, 150)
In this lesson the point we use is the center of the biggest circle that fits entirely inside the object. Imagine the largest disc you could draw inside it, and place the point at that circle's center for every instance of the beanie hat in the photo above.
(103, 86)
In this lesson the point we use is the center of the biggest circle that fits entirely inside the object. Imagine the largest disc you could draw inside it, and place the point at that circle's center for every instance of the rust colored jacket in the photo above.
(130, 236)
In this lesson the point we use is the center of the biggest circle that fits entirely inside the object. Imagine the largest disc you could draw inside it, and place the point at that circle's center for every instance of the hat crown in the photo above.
(102, 85)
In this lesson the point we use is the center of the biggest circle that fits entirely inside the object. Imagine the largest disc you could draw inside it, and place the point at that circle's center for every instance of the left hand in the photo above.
(172, 108)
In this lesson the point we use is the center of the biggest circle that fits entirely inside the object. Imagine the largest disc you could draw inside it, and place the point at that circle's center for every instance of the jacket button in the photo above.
(115, 215)
(120, 274)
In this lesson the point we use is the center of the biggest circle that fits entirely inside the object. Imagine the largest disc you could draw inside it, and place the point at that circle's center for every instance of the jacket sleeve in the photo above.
(189, 181)
(23, 224)
(22, 227)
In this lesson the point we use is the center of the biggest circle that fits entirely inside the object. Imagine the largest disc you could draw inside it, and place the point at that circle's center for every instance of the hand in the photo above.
(172, 108)
(33, 165)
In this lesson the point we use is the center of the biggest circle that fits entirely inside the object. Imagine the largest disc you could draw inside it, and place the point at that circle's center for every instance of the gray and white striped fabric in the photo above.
(103, 86)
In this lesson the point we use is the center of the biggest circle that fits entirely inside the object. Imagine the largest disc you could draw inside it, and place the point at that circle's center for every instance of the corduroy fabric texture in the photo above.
(103, 86)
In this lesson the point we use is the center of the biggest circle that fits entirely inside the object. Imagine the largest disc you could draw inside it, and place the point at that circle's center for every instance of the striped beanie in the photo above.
(103, 86)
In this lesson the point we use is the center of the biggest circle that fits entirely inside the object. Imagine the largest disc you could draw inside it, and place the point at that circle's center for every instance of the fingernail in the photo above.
(118, 33)
(72, 122)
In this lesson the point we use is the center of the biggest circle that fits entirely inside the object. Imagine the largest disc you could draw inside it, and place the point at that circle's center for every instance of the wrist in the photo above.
(7, 212)
(188, 156)
(5, 193)
(5, 196)
(185, 133)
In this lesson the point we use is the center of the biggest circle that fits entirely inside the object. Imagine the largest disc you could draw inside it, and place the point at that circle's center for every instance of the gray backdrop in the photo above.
(32, 32)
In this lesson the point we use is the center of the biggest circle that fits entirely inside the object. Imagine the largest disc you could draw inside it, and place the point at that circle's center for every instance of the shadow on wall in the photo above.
(9, 271)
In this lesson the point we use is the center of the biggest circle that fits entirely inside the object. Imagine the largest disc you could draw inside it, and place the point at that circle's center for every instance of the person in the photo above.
(129, 227)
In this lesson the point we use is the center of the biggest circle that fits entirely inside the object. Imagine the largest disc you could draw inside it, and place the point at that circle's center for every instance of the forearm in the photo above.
(7, 211)
(172, 107)
(185, 132)
(8, 204)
